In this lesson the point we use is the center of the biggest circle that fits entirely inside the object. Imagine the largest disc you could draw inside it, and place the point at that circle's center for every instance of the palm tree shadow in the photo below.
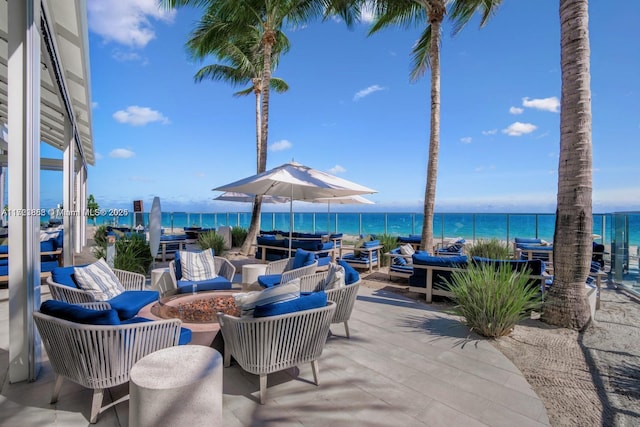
(441, 328)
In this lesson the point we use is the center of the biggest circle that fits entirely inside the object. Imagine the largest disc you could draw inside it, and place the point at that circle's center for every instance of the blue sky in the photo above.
(352, 110)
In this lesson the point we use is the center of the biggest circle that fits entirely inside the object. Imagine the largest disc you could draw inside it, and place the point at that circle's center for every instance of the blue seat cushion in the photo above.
(185, 333)
(129, 303)
(304, 302)
(302, 258)
(4, 249)
(323, 260)
(401, 268)
(370, 244)
(440, 278)
(269, 280)
(218, 283)
(64, 276)
(46, 266)
(351, 275)
(77, 314)
(527, 240)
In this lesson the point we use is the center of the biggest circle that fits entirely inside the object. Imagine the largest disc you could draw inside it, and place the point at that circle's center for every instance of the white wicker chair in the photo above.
(284, 267)
(269, 344)
(344, 297)
(97, 356)
(130, 281)
(223, 268)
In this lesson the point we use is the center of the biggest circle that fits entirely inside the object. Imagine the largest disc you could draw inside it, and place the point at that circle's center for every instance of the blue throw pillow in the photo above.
(350, 273)
(304, 302)
(65, 276)
(302, 259)
(47, 245)
(77, 314)
(178, 265)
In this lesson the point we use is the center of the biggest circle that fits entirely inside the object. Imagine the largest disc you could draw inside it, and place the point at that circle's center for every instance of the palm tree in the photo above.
(572, 244)
(242, 60)
(426, 53)
(269, 17)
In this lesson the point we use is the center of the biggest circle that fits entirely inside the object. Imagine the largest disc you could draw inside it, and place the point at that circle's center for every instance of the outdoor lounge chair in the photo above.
(88, 345)
(263, 345)
(63, 287)
(344, 297)
(223, 268)
(285, 270)
(365, 256)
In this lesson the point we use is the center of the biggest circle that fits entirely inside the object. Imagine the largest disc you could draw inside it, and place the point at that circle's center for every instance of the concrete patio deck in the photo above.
(406, 364)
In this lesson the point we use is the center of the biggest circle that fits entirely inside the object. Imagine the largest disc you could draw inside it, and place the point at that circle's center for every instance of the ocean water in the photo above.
(470, 226)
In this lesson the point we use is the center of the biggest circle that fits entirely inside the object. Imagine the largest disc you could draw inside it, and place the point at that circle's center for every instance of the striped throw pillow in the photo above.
(197, 265)
(335, 277)
(98, 279)
(247, 301)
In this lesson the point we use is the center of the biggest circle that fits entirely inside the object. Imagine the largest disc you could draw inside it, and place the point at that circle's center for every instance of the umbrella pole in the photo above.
(329, 217)
(291, 220)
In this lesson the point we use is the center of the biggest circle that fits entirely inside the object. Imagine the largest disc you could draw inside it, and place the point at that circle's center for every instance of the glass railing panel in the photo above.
(348, 223)
(522, 225)
(488, 226)
(399, 224)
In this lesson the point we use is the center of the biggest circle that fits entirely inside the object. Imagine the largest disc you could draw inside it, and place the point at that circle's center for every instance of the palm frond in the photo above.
(421, 59)
(462, 11)
(278, 85)
(245, 92)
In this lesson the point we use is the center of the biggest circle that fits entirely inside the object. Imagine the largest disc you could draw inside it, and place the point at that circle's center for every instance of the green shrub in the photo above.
(100, 236)
(238, 235)
(388, 242)
(133, 255)
(210, 240)
(494, 249)
(492, 301)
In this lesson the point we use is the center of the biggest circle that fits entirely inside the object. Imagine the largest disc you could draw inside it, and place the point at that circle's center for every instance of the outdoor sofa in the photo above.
(270, 247)
(64, 287)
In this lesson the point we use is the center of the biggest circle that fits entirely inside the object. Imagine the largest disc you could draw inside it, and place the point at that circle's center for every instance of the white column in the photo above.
(83, 228)
(81, 204)
(24, 177)
(68, 173)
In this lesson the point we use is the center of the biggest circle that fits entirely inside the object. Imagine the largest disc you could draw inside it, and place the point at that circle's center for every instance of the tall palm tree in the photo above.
(426, 53)
(270, 17)
(242, 61)
(572, 244)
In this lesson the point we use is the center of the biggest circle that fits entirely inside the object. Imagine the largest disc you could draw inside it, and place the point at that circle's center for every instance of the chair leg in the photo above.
(314, 368)
(346, 328)
(96, 404)
(263, 388)
(56, 388)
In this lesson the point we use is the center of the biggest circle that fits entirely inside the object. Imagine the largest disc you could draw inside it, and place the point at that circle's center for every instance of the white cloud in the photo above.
(126, 22)
(366, 92)
(519, 129)
(201, 175)
(466, 140)
(490, 132)
(139, 116)
(98, 156)
(94, 104)
(516, 110)
(121, 153)
(281, 145)
(547, 104)
(122, 56)
(337, 169)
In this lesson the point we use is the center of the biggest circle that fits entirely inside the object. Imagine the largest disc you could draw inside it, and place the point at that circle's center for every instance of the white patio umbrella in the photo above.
(232, 196)
(296, 182)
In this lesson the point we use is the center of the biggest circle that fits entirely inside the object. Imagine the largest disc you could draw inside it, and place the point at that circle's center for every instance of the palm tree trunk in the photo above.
(254, 227)
(567, 304)
(258, 126)
(436, 16)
